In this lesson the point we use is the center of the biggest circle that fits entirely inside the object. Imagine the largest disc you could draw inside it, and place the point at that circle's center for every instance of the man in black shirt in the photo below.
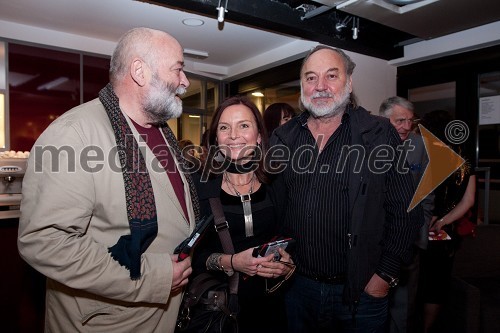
(346, 199)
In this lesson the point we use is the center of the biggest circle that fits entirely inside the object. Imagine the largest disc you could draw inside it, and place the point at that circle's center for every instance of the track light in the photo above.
(355, 27)
(343, 24)
(221, 11)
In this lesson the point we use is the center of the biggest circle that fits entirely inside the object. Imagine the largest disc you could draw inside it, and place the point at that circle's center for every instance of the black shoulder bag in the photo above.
(210, 305)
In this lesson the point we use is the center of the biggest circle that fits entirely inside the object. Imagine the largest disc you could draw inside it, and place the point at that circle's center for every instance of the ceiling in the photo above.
(384, 26)
(424, 18)
(255, 34)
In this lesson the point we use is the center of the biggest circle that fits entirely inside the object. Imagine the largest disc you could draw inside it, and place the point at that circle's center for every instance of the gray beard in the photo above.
(161, 103)
(327, 111)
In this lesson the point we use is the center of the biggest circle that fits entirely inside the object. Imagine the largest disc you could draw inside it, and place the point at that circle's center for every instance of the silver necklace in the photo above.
(245, 201)
(227, 179)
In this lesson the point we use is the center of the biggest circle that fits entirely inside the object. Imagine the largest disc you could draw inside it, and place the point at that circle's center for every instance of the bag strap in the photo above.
(222, 228)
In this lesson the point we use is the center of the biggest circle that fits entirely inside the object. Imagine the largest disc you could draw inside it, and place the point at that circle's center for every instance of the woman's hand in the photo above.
(246, 263)
(272, 269)
(439, 225)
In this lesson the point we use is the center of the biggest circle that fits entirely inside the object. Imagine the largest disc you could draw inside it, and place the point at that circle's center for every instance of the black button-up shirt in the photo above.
(318, 202)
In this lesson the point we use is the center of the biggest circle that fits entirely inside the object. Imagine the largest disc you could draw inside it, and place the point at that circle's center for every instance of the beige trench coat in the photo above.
(69, 218)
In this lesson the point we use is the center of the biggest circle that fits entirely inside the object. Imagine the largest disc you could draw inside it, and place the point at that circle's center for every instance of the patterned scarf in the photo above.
(141, 207)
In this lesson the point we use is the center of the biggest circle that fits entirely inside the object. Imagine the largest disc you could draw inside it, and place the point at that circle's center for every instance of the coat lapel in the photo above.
(161, 176)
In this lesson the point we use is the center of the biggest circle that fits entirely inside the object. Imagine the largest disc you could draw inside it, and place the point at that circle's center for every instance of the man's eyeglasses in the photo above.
(412, 121)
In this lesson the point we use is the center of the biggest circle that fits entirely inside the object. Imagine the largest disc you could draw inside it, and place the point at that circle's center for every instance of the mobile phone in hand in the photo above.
(264, 250)
(184, 249)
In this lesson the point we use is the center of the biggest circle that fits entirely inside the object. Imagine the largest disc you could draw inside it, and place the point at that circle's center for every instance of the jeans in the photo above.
(317, 307)
(403, 300)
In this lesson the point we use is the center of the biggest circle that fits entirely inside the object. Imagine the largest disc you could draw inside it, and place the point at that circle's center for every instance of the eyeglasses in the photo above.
(290, 273)
(404, 120)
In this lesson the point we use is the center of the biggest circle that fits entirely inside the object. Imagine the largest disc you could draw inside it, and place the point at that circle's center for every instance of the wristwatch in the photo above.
(392, 281)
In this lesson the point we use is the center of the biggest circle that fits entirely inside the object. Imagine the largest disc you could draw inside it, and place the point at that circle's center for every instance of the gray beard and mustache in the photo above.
(326, 110)
(161, 103)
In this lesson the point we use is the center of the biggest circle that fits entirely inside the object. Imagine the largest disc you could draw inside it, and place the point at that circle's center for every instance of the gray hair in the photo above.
(135, 42)
(387, 106)
(348, 63)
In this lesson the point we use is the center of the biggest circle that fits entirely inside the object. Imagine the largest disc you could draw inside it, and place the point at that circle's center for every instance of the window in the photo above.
(44, 83)
(199, 103)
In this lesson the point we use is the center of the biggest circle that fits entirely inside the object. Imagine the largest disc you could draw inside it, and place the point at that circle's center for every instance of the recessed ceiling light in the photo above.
(258, 94)
(196, 54)
(193, 22)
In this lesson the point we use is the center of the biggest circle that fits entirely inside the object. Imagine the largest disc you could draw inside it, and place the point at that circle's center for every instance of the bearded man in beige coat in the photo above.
(106, 201)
